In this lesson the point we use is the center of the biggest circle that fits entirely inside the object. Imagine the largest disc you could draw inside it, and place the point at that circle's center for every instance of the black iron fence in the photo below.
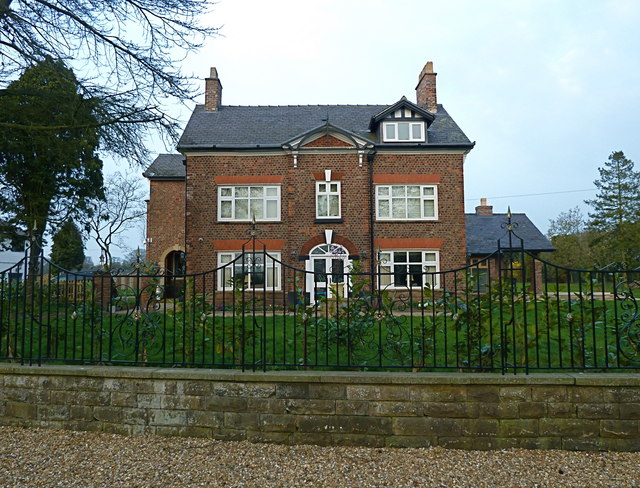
(507, 312)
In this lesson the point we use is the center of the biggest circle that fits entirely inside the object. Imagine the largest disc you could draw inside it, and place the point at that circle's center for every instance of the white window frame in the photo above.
(388, 268)
(396, 124)
(422, 197)
(328, 193)
(227, 271)
(233, 198)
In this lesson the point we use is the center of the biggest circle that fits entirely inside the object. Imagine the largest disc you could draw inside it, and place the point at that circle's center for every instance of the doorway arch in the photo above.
(174, 265)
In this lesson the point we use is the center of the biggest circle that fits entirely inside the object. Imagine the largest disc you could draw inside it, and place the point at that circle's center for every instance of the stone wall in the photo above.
(468, 411)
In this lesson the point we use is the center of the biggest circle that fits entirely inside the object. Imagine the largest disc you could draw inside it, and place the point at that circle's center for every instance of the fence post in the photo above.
(104, 286)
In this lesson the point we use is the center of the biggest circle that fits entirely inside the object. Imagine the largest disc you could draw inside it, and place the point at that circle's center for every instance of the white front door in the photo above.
(328, 265)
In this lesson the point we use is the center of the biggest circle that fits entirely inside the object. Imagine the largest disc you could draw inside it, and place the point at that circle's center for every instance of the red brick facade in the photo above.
(165, 219)
(298, 202)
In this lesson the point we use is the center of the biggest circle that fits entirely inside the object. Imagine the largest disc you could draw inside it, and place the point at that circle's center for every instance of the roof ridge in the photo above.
(305, 105)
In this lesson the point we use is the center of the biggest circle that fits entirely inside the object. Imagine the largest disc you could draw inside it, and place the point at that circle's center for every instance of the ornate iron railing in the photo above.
(509, 312)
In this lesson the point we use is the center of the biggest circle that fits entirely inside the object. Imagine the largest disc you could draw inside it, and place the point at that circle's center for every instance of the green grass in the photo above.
(475, 334)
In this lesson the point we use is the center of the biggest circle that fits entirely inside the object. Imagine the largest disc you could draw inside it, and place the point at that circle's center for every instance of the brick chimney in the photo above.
(483, 208)
(212, 91)
(426, 89)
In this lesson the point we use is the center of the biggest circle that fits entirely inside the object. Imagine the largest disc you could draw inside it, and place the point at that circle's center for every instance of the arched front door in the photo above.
(174, 270)
(329, 264)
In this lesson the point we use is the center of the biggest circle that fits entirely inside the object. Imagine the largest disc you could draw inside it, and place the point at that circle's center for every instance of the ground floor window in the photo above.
(480, 270)
(404, 269)
(257, 270)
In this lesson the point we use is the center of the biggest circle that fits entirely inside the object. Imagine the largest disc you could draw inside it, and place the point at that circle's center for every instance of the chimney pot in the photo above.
(212, 91)
(426, 89)
(483, 208)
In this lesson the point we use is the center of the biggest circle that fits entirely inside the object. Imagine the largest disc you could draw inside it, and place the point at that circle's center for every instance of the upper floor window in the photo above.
(403, 131)
(248, 202)
(407, 202)
(327, 199)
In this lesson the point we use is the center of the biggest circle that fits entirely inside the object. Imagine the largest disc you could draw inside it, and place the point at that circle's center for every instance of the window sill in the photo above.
(404, 141)
(220, 221)
(406, 287)
(407, 220)
(332, 220)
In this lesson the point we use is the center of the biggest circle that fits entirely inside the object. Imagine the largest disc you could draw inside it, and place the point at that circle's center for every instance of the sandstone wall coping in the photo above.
(351, 377)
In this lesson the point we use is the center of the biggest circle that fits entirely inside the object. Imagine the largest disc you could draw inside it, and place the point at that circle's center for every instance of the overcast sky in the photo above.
(546, 89)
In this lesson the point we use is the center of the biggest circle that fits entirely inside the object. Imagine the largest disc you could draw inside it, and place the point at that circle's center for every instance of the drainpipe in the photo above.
(372, 260)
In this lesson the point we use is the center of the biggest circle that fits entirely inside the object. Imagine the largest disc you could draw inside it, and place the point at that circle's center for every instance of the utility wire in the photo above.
(533, 194)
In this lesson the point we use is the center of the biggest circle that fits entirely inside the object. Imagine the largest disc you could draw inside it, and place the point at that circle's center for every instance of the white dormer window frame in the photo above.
(403, 131)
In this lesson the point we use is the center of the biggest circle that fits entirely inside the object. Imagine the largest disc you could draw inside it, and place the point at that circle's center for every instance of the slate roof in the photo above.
(166, 167)
(271, 126)
(483, 232)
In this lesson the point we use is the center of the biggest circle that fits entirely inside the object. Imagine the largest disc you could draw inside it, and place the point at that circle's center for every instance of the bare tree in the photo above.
(125, 52)
(122, 208)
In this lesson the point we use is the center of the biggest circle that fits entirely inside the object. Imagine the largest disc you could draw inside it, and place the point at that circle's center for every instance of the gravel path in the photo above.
(50, 458)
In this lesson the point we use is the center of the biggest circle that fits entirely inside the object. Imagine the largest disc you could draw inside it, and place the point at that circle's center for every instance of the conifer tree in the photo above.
(616, 209)
(67, 250)
(127, 53)
(48, 176)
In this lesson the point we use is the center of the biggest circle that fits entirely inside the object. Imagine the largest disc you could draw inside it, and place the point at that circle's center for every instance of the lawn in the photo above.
(472, 332)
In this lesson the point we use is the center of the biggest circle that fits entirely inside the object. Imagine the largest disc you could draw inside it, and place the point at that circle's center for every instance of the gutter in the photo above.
(165, 178)
(378, 146)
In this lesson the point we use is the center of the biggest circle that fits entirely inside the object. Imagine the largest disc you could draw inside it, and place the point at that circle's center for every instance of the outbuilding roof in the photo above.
(166, 167)
(484, 231)
(251, 127)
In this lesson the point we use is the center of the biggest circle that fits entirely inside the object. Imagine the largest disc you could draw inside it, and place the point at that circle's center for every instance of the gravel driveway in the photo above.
(37, 458)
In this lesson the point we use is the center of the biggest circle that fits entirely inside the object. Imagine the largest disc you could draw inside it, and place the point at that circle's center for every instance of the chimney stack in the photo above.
(483, 208)
(426, 89)
(212, 91)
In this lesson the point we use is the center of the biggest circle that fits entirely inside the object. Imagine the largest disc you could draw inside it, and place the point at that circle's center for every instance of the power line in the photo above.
(532, 194)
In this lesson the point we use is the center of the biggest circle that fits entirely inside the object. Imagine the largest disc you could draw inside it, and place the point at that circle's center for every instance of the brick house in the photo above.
(326, 185)
(486, 231)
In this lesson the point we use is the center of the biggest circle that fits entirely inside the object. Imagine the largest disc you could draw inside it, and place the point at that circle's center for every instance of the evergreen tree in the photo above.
(127, 53)
(47, 176)
(618, 198)
(67, 250)
(616, 209)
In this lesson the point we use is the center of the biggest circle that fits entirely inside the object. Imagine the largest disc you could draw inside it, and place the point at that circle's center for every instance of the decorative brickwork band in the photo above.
(408, 243)
(236, 244)
(248, 180)
(380, 179)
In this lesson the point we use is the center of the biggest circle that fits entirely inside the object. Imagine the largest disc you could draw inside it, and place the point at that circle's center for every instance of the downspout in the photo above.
(370, 158)
(186, 195)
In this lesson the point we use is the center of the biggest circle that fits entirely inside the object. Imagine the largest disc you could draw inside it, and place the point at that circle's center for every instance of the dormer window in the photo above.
(403, 131)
